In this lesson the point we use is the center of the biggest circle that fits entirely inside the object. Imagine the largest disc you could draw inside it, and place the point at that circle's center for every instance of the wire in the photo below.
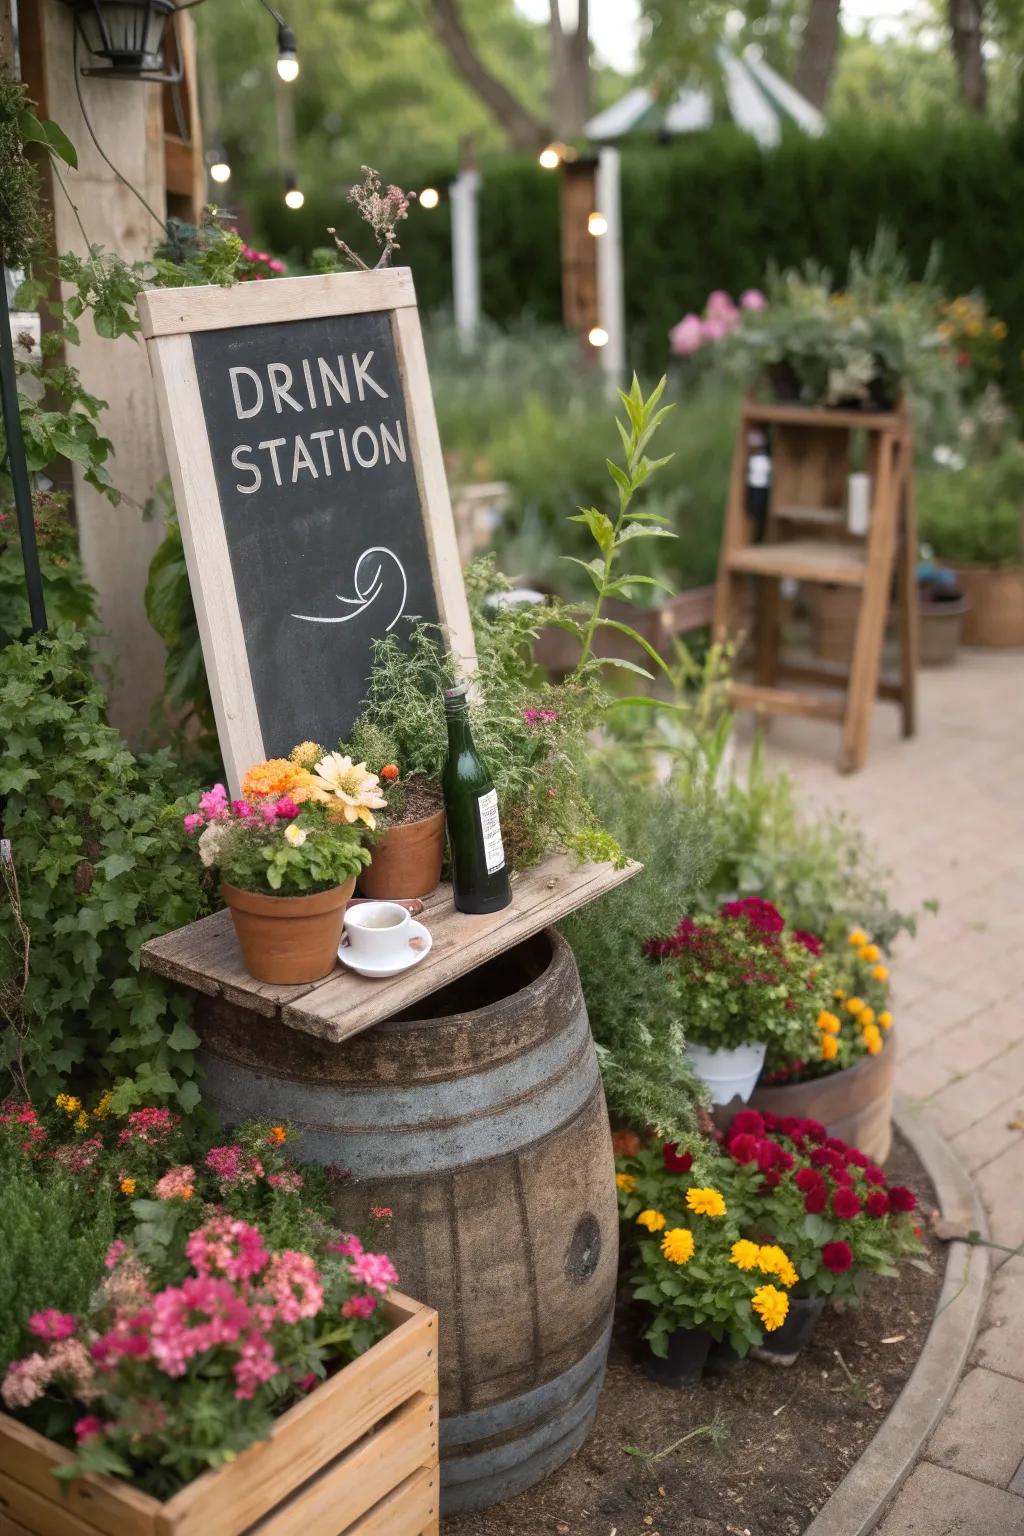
(99, 147)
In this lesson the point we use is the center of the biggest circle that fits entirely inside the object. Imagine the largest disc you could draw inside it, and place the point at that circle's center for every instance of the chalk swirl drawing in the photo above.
(367, 585)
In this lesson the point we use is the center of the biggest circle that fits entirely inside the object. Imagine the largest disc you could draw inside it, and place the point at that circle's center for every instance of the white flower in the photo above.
(356, 790)
(294, 834)
(209, 844)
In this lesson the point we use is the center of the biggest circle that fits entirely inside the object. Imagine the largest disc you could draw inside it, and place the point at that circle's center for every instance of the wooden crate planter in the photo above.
(357, 1457)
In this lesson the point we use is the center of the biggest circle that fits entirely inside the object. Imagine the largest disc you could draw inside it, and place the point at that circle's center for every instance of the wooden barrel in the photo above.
(481, 1122)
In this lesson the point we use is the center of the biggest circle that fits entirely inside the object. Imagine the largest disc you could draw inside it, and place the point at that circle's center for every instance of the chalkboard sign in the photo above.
(311, 492)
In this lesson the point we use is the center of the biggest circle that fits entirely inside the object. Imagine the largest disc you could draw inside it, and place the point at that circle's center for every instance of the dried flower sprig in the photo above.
(382, 210)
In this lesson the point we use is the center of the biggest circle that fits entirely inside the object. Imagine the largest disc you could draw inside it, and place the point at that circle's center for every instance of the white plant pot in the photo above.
(728, 1073)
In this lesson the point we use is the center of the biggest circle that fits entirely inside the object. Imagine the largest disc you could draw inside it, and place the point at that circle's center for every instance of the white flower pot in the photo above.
(728, 1073)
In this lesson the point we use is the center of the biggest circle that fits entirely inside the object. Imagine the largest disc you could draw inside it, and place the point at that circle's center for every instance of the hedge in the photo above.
(711, 210)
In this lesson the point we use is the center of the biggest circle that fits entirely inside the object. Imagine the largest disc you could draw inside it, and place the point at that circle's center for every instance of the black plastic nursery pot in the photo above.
(683, 1365)
(784, 1345)
(723, 1360)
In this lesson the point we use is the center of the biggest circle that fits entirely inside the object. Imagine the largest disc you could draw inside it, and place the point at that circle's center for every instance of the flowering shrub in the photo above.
(175, 1368)
(825, 1202)
(688, 1261)
(721, 316)
(857, 1018)
(740, 977)
(298, 827)
(973, 338)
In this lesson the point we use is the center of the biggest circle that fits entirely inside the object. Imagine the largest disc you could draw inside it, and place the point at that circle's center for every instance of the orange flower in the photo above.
(278, 1134)
(273, 778)
(625, 1143)
(829, 1047)
(389, 773)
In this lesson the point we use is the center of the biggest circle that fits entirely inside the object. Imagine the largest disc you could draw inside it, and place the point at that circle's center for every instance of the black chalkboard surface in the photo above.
(310, 442)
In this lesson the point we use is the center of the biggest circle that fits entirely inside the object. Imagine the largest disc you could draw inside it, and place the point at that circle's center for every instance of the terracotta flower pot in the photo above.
(406, 861)
(855, 1104)
(940, 622)
(996, 596)
(289, 939)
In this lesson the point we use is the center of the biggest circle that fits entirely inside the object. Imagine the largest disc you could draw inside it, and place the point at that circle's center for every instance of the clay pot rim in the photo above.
(266, 904)
(955, 607)
(863, 1066)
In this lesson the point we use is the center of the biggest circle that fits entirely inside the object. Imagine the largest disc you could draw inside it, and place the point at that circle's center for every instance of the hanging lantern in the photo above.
(131, 36)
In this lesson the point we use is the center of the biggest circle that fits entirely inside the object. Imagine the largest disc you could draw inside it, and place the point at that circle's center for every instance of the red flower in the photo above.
(845, 1204)
(771, 1122)
(858, 1158)
(757, 913)
(902, 1199)
(748, 1121)
(808, 1179)
(874, 1175)
(836, 1144)
(813, 1130)
(772, 1179)
(769, 1154)
(877, 1203)
(809, 941)
(821, 1157)
(674, 1160)
(838, 1257)
(744, 1149)
(784, 1159)
(816, 1200)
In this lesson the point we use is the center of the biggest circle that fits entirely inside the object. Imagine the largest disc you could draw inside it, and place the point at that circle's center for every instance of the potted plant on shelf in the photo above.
(741, 984)
(828, 1206)
(289, 852)
(846, 1079)
(971, 516)
(697, 1283)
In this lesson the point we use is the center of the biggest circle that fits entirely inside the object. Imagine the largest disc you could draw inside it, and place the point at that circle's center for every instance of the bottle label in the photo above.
(490, 826)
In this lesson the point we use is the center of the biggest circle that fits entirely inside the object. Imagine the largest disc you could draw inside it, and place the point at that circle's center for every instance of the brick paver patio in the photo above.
(947, 810)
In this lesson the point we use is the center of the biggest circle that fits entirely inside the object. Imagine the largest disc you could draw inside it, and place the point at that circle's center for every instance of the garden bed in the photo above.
(786, 1438)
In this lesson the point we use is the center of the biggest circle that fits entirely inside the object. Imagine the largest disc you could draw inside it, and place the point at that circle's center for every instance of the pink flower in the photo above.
(293, 1281)
(52, 1324)
(26, 1380)
(115, 1253)
(188, 1319)
(214, 803)
(276, 265)
(241, 808)
(359, 1306)
(192, 823)
(286, 808)
(687, 336)
(147, 1125)
(255, 1365)
(720, 307)
(288, 1180)
(348, 1244)
(176, 1184)
(89, 1427)
(77, 1158)
(752, 298)
(535, 717)
(228, 1247)
(714, 329)
(381, 1212)
(233, 1165)
(269, 813)
(307, 1383)
(374, 1270)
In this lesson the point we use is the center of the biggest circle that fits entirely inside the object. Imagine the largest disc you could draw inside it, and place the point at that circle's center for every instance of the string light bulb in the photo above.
(598, 336)
(294, 197)
(550, 158)
(429, 197)
(287, 56)
(220, 170)
(597, 225)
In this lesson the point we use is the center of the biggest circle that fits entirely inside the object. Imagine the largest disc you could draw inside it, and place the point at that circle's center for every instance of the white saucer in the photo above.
(381, 968)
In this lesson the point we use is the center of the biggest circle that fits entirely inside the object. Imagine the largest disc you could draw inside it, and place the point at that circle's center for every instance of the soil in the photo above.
(422, 797)
(768, 1445)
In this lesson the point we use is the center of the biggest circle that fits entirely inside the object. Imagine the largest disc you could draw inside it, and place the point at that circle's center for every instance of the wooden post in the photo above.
(578, 199)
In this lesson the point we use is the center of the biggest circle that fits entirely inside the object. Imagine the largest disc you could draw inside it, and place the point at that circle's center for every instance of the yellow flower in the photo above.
(870, 953)
(744, 1254)
(652, 1220)
(103, 1108)
(857, 938)
(81, 1121)
(771, 1306)
(829, 1047)
(828, 1023)
(306, 755)
(275, 777)
(353, 785)
(295, 834)
(855, 1005)
(973, 327)
(999, 330)
(873, 1039)
(885, 1019)
(68, 1103)
(838, 994)
(866, 1018)
(705, 1202)
(881, 973)
(677, 1245)
(773, 1260)
(127, 1186)
(626, 1182)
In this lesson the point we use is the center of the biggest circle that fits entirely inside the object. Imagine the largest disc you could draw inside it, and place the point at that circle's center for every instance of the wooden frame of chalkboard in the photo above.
(243, 537)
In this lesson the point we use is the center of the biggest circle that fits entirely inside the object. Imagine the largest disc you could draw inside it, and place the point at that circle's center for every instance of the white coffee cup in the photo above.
(377, 930)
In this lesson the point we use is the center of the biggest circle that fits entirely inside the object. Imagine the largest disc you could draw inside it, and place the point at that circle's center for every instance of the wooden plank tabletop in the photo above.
(205, 955)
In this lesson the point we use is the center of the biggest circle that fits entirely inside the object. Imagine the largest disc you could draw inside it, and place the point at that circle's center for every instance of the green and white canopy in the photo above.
(759, 102)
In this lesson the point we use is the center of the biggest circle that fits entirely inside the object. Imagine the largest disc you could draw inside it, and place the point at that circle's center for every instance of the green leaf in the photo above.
(624, 666)
(631, 634)
(600, 526)
(36, 130)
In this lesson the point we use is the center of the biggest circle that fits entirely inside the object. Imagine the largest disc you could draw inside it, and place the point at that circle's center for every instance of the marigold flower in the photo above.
(866, 1017)
(677, 1245)
(829, 1047)
(857, 937)
(881, 973)
(870, 953)
(828, 1022)
(838, 994)
(271, 779)
(885, 1019)
(855, 1005)
(773, 1260)
(389, 773)
(278, 1134)
(127, 1186)
(744, 1254)
(873, 1039)
(771, 1306)
(652, 1220)
(626, 1182)
(705, 1202)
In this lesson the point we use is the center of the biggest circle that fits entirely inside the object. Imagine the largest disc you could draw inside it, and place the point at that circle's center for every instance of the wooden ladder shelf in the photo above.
(806, 539)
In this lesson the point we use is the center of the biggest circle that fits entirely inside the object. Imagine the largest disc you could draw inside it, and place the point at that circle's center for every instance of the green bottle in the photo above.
(479, 874)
